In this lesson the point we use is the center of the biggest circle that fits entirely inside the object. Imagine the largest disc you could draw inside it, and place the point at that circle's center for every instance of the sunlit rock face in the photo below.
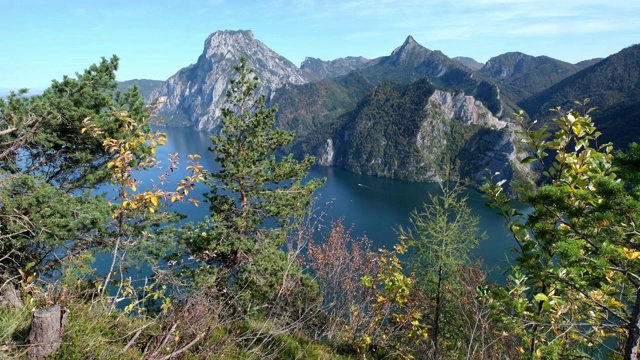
(195, 95)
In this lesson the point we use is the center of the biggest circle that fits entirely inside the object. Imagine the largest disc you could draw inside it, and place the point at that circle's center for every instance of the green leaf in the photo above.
(541, 297)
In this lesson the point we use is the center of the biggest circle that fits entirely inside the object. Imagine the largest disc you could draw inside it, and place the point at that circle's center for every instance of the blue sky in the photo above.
(45, 39)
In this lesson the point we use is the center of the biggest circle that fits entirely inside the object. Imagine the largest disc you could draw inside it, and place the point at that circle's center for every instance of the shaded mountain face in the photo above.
(317, 69)
(415, 132)
(195, 95)
(469, 62)
(612, 84)
(310, 107)
(145, 86)
(524, 75)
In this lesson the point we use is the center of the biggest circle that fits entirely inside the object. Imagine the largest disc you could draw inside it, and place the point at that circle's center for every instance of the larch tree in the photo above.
(439, 239)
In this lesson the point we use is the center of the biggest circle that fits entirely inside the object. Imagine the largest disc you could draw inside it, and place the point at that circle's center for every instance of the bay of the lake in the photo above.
(374, 206)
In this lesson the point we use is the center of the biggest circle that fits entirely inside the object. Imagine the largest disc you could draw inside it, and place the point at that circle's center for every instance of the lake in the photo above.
(373, 206)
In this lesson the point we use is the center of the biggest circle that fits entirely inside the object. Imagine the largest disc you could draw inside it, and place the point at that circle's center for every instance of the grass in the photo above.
(14, 329)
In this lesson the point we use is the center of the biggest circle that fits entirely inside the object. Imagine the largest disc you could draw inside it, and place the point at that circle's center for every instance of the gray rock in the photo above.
(9, 296)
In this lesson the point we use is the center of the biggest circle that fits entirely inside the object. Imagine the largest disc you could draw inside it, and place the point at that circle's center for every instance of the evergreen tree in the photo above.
(576, 282)
(48, 166)
(256, 199)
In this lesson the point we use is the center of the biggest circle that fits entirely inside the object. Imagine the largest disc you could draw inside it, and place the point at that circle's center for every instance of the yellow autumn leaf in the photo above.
(631, 254)
(83, 130)
(154, 200)
(152, 210)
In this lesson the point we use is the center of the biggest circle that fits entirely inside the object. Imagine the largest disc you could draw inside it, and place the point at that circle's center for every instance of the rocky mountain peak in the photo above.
(228, 41)
(505, 65)
(409, 51)
(410, 44)
(410, 41)
(195, 95)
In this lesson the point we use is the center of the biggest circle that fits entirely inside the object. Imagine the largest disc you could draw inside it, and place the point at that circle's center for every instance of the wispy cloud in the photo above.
(517, 17)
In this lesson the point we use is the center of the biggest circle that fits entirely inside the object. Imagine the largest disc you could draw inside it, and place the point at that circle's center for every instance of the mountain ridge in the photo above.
(315, 99)
(612, 85)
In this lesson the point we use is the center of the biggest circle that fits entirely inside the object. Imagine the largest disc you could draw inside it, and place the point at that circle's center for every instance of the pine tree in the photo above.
(48, 166)
(575, 284)
(256, 198)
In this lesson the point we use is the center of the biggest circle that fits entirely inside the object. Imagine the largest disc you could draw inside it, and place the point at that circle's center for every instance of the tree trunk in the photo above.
(631, 346)
(45, 336)
(437, 322)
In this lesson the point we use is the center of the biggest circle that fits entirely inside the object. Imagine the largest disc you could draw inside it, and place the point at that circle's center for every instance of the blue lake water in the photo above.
(373, 206)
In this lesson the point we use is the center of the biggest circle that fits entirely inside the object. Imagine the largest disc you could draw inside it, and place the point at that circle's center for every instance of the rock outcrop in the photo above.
(465, 108)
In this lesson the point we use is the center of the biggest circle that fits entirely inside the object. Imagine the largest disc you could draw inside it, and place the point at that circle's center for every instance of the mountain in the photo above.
(145, 86)
(195, 95)
(309, 107)
(415, 132)
(524, 75)
(468, 62)
(612, 84)
(317, 69)
(586, 63)
(368, 120)
(312, 108)
(412, 61)
(408, 115)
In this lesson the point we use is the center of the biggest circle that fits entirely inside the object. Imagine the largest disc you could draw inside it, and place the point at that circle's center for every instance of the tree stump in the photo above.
(45, 336)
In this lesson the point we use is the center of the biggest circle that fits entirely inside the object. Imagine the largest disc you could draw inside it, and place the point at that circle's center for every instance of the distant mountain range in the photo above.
(612, 85)
(145, 87)
(525, 75)
(411, 114)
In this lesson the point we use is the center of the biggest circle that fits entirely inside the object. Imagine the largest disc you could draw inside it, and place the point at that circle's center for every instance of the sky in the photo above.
(43, 40)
